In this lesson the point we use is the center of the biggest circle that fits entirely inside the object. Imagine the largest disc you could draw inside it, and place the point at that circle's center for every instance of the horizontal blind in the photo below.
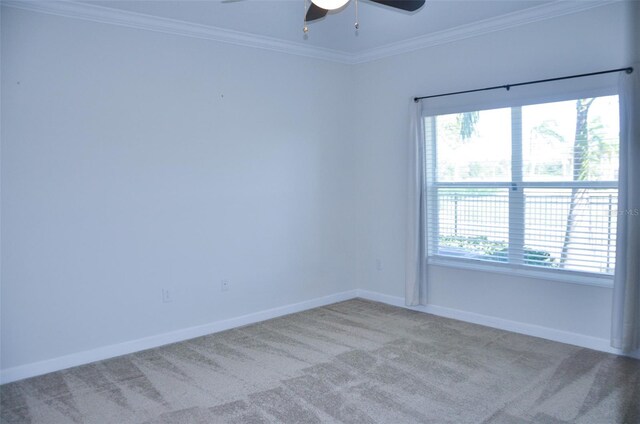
(532, 185)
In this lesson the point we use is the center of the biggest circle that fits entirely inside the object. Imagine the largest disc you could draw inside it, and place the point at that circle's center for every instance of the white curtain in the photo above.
(625, 331)
(416, 264)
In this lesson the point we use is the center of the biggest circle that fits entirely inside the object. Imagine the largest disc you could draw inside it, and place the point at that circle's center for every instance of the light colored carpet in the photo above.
(351, 362)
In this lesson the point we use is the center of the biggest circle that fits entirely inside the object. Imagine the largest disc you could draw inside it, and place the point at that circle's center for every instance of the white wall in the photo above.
(134, 161)
(633, 31)
(589, 41)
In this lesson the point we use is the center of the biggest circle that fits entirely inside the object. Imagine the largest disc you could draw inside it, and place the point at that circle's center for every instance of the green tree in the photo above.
(466, 123)
(581, 167)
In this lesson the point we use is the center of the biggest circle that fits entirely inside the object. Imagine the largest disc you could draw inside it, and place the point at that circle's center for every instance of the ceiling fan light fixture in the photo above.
(330, 4)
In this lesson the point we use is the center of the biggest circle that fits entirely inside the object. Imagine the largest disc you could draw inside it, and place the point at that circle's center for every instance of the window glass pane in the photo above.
(573, 140)
(474, 146)
(474, 223)
(571, 229)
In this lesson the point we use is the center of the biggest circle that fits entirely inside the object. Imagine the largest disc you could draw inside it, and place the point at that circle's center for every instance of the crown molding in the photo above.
(499, 23)
(106, 15)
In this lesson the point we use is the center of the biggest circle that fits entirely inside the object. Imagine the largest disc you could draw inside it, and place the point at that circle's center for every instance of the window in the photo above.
(528, 186)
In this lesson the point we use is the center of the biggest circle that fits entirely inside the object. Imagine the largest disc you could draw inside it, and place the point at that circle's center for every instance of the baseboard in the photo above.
(561, 336)
(81, 358)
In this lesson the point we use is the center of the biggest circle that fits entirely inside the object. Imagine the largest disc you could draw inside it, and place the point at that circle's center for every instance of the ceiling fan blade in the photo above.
(408, 5)
(314, 12)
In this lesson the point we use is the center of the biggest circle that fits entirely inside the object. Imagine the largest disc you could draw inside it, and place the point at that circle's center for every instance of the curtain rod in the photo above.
(508, 86)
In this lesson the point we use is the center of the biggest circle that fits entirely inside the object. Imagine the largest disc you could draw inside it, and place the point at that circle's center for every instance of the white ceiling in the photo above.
(283, 19)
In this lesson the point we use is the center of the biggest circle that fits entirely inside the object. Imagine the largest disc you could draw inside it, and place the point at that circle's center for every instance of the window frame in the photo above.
(515, 265)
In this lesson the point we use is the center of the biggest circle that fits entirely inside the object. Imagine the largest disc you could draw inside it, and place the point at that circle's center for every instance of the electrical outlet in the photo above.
(378, 265)
(166, 296)
(224, 285)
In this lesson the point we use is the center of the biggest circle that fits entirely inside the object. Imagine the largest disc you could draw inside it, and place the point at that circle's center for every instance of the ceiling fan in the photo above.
(319, 8)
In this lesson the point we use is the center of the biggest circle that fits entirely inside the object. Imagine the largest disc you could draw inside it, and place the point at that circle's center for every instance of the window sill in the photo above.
(571, 277)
